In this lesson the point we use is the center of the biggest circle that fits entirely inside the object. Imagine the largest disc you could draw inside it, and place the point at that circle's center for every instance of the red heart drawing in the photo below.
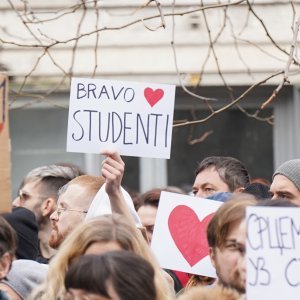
(153, 96)
(189, 233)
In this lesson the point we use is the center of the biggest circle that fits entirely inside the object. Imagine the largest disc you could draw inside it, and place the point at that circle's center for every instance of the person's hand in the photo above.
(112, 170)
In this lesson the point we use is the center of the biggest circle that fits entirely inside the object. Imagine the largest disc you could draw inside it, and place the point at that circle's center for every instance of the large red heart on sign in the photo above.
(153, 96)
(189, 233)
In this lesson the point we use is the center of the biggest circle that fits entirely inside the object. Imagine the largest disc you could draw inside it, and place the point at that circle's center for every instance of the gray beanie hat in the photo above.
(25, 275)
(291, 170)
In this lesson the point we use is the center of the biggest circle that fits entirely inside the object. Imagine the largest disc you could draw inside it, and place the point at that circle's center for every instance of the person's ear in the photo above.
(239, 190)
(48, 206)
(212, 255)
(5, 263)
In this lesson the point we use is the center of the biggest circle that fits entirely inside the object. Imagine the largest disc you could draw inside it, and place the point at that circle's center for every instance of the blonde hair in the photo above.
(101, 229)
(216, 292)
(91, 184)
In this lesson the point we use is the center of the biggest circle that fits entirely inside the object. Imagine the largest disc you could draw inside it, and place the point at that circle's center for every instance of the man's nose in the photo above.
(54, 216)
(242, 263)
(200, 194)
(16, 202)
(274, 197)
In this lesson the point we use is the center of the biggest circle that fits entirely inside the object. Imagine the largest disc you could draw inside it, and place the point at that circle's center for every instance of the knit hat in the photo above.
(24, 223)
(25, 275)
(101, 205)
(291, 170)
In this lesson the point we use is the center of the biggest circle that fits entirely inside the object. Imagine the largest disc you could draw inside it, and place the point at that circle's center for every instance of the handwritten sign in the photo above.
(5, 164)
(273, 253)
(179, 238)
(133, 118)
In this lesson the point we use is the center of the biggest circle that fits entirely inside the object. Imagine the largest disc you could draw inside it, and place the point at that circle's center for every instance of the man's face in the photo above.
(72, 206)
(209, 182)
(31, 197)
(230, 261)
(147, 214)
(282, 187)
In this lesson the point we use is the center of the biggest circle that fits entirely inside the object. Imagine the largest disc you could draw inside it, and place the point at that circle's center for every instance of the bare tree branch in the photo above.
(287, 68)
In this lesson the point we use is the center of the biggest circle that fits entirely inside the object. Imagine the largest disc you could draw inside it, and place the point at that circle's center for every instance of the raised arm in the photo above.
(113, 170)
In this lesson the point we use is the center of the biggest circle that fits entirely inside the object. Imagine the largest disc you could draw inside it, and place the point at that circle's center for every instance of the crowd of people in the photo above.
(77, 236)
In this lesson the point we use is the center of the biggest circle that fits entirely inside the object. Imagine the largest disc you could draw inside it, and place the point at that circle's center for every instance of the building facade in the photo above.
(212, 52)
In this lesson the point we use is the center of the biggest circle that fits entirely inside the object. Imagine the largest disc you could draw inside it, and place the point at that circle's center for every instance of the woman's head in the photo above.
(118, 275)
(96, 236)
(111, 231)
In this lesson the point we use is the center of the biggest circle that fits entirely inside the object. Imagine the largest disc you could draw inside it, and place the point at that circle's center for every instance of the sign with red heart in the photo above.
(133, 118)
(153, 96)
(179, 238)
(193, 246)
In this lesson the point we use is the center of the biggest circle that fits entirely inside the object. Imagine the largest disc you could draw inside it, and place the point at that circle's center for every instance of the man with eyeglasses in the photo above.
(39, 193)
(73, 203)
(77, 201)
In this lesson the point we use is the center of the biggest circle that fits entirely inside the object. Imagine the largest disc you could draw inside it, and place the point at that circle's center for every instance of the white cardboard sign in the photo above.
(131, 117)
(179, 238)
(273, 253)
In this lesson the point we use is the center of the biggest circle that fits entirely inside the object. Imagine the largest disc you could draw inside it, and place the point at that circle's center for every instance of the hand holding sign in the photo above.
(112, 171)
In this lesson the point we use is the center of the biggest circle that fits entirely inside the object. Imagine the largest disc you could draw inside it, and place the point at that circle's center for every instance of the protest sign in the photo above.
(5, 164)
(179, 238)
(273, 253)
(133, 118)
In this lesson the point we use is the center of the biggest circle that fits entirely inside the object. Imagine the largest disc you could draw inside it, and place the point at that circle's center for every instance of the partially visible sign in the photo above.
(179, 239)
(131, 117)
(5, 163)
(273, 253)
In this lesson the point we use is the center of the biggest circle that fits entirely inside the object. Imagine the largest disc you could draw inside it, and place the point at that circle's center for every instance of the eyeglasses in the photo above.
(60, 210)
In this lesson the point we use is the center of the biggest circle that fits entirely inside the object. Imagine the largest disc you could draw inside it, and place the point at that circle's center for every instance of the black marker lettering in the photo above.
(286, 243)
(252, 219)
(114, 116)
(166, 132)
(128, 90)
(289, 274)
(100, 127)
(82, 131)
(113, 91)
(80, 87)
(103, 91)
(90, 122)
(262, 275)
(126, 128)
(91, 89)
(146, 134)
(155, 131)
